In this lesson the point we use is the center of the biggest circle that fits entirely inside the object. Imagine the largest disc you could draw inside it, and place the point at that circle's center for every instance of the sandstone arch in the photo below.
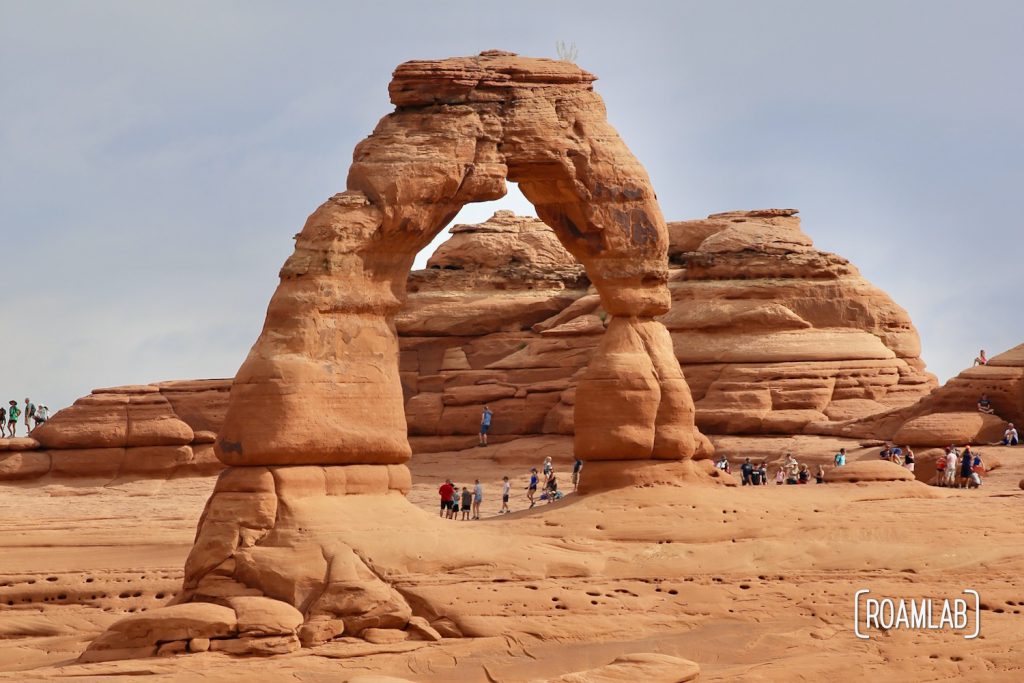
(316, 409)
(320, 386)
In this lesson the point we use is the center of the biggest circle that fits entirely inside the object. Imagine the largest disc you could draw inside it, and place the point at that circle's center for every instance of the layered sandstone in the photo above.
(774, 336)
(158, 430)
(949, 415)
(315, 428)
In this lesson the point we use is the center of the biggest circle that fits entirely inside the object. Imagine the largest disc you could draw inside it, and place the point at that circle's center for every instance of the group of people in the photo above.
(958, 469)
(898, 456)
(468, 501)
(31, 412)
(789, 472)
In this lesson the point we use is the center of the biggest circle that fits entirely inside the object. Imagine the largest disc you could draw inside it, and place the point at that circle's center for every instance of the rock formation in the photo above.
(151, 430)
(949, 415)
(316, 416)
(774, 336)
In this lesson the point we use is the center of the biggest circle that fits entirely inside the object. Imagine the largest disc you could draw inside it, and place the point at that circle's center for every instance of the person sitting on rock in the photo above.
(42, 415)
(840, 458)
(985, 405)
(1010, 437)
(485, 425)
(722, 463)
(467, 503)
(746, 469)
(982, 359)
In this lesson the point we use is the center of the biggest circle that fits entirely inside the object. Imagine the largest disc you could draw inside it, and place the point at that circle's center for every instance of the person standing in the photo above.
(506, 490)
(30, 414)
(467, 503)
(950, 471)
(478, 497)
(908, 458)
(447, 491)
(485, 425)
(576, 468)
(966, 467)
(531, 489)
(746, 469)
(13, 413)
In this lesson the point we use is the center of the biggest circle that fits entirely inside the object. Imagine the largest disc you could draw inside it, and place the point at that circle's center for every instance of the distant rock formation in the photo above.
(774, 336)
(148, 430)
(949, 415)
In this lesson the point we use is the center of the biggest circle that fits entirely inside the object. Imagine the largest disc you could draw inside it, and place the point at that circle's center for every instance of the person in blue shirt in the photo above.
(840, 459)
(531, 490)
(485, 425)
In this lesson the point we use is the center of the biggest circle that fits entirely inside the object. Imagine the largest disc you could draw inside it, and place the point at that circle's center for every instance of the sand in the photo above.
(749, 583)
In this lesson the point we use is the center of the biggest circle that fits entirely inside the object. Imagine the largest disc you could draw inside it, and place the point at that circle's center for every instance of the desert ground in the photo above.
(751, 583)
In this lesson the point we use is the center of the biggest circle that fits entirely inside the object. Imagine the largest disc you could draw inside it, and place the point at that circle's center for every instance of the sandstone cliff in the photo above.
(774, 336)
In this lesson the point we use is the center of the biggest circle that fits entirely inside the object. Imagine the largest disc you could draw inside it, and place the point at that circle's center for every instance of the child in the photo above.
(467, 503)
(531, 490)
(506, 488)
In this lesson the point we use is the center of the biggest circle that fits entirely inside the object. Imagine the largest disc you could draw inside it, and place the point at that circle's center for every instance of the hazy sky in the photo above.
(156, 158)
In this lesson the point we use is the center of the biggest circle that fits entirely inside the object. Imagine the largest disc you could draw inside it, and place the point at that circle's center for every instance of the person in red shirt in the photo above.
(447, 492)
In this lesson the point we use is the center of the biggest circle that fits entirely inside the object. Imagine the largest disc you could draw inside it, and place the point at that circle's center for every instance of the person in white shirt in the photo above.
(506, 491)
(1010, 436)
(950, 474)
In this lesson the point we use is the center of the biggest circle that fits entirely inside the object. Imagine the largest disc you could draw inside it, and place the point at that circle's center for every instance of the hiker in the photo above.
(531, 490)
(447, 491)
(42, 415)
(896, 455)
(12, 418)
(576, 467)
(746, 469)
(551, 488)
(819, 476)
(3, 422)
(804, 475)
(755, 476)
(1010, 437)
(723, 463)
(467, 503)
(485, 425)
(478, 497)
(30, 413)
(547, 468)
(908, 458)
(982, 359)
(985, 405)
(966, 466)
(950, 471)
(940, 468)
(840, 458)
(506, 489)
(764, 472)
(792, 469)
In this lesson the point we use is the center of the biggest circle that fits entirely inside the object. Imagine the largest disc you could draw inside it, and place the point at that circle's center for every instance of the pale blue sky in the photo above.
(156, 158)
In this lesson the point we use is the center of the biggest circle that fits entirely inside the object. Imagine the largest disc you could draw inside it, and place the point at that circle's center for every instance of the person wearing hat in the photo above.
(13, 413)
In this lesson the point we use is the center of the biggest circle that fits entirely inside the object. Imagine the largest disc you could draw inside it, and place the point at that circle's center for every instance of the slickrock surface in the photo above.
(748, 583)
(774, 337)
(156, 430)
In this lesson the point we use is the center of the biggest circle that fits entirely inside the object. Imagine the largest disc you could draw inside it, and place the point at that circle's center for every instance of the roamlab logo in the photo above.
(924, 614)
